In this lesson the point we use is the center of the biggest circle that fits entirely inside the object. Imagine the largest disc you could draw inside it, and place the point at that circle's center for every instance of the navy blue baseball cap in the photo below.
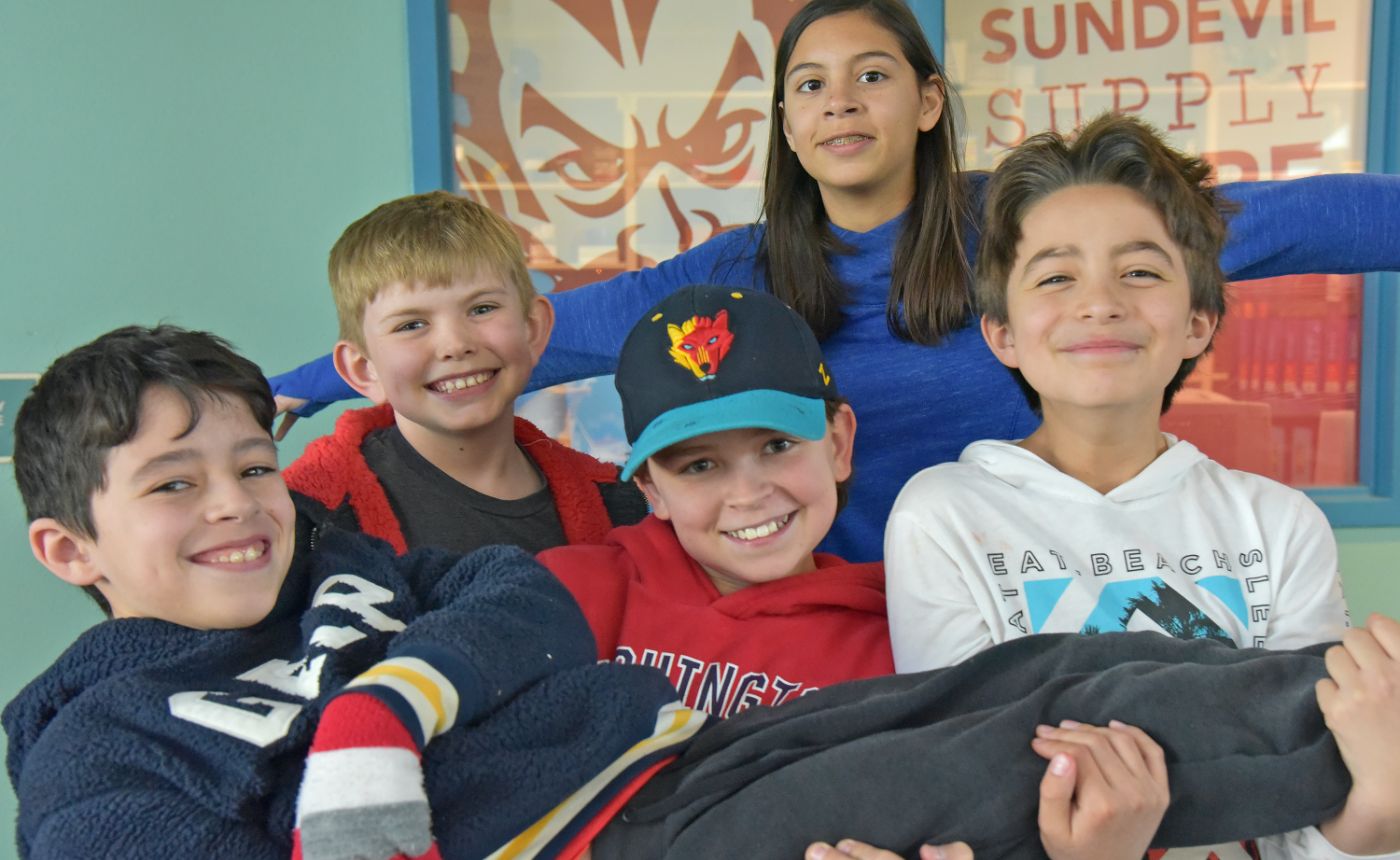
(712, 358)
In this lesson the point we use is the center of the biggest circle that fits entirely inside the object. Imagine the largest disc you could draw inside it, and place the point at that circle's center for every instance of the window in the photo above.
(1301, 383)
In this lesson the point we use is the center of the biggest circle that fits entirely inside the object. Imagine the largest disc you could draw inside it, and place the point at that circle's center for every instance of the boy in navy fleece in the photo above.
(179, 728)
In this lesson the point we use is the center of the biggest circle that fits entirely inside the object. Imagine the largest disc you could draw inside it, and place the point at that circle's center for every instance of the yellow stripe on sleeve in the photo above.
(674, 723)
(425, 689)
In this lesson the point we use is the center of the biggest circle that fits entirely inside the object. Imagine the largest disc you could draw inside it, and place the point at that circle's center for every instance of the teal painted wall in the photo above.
(193, 162)
(1370, 570)
(185, 161)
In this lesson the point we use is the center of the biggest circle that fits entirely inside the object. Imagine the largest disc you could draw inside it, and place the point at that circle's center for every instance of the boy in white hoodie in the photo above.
(1099, 282)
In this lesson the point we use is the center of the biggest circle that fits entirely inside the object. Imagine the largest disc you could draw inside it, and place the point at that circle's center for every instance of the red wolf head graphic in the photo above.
(700, 343)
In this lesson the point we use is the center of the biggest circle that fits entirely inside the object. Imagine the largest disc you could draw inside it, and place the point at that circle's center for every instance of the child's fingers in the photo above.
(1387, 633)
(1327, 693)
(1056, 813)
(1150, 751)
(1341, 665)
(1122, 771)
(1110, 756)
(1122, 762)
(288, 419)
(847, 849)
(1364, 648)
(1052, 740)
(955, 851)
(1089, 778)
(286, 403)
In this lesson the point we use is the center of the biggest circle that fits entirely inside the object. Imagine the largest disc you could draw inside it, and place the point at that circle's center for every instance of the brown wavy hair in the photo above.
(1110, 150)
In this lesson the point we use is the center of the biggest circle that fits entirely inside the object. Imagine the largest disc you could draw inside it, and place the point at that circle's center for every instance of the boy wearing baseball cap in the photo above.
(742, 445)
(741, 442)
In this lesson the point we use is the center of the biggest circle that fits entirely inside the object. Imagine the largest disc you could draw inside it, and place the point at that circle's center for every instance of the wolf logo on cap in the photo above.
(700, 343)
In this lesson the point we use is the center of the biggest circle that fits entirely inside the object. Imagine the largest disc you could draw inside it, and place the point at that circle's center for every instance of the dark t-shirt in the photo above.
(434, 509)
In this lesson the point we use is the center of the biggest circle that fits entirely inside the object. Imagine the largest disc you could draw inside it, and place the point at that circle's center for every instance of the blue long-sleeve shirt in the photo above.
(921, 405)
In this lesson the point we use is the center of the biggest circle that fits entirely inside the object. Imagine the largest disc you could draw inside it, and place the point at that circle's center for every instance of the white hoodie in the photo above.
(1001, 544)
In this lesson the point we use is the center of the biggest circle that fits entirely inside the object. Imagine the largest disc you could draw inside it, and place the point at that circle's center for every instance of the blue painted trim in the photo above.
(429, 94)
(1383, 121)
(930, 16)
(1377, 501)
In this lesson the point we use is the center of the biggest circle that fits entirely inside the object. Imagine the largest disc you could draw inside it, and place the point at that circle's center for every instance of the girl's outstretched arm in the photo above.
(590, 322)
(1339, 223)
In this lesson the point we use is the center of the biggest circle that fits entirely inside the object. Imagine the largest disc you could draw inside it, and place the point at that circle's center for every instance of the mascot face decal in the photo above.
(699, 344)
(612, 133)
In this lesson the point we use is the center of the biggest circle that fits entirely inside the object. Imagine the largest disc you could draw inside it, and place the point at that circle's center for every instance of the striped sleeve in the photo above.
(362, 790)
(424, 687)
(570, 826)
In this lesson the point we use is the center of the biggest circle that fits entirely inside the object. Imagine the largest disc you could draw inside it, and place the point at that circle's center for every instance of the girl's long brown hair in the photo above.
(930, 275)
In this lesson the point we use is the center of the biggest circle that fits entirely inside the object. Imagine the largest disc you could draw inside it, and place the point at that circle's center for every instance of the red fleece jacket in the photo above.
(333, 471)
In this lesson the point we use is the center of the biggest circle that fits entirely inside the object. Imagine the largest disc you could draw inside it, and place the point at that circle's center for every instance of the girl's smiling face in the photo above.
(852, 110)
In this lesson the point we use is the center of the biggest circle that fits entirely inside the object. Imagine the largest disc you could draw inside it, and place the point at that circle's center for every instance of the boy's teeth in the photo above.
(239, 556)
(760, 531)
(450, 385)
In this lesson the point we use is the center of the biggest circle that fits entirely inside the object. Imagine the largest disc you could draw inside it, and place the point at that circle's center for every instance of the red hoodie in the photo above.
(333, 471)
(648, 602)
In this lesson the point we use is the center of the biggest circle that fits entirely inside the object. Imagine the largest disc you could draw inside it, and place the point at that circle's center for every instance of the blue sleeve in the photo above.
(316, 382)
(592, 322)
(1335, 223)
(496, 623)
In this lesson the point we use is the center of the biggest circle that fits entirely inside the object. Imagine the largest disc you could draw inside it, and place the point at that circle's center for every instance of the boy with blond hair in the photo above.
(440, 326)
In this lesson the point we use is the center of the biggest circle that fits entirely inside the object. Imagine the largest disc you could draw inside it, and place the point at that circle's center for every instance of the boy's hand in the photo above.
(1104, 793)
(285, 407)
(1361, 703)
(850, 849)
(362, 794)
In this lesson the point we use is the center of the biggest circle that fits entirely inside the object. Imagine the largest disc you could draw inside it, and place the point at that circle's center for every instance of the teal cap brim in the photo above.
(804, 417)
